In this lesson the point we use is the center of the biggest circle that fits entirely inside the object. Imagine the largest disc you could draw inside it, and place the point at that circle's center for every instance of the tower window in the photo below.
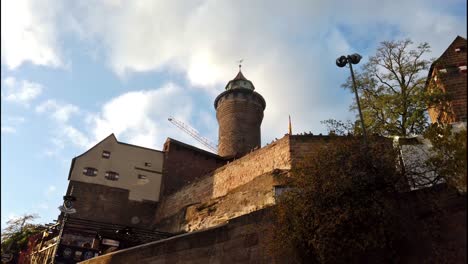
(106, 154)
(142, 177)
(147, 164)
(112, 175)
(89, 171)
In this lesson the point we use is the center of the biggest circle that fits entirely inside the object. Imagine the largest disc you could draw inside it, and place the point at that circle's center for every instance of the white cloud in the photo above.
(140, 117)
(289, 51)
(20, 91)
(136, 117)
(65, 131)
(11, 123)
(28, 32)
(76, 137)
(16, 119)
(61, 112)
(289, 48)
(8, 129)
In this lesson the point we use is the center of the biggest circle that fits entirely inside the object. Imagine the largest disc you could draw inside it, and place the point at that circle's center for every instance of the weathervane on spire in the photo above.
(240, 63)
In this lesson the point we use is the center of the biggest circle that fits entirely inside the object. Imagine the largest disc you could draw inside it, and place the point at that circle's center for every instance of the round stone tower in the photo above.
(239, 111)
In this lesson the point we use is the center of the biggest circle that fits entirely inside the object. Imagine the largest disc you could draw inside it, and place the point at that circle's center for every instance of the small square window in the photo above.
(147, 164)
(142, 179)
(106, 154)
(112, 175)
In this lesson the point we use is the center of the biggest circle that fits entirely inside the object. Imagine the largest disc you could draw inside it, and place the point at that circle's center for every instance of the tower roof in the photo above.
(240, 82)
(240, 76)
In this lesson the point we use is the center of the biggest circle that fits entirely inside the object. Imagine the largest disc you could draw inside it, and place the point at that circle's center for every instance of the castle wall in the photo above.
(245, 240)
(101, 203)
(196, 192)
(215, 197)
(184, 164)
(254, 164)
(224, 180)
(245, 199)
(240, 241)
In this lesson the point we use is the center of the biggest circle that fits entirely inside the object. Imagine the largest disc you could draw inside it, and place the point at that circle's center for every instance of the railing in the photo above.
(43, 256)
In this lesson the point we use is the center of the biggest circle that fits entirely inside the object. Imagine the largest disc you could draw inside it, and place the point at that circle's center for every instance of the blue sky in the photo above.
(75, 71)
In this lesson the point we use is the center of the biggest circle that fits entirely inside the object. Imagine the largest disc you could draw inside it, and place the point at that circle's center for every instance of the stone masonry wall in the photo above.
(224, 179)
(245, 240)
(196, 192)
(242, 240)
(110, 205)
(245, 199)
(254, 164)
(184, 164)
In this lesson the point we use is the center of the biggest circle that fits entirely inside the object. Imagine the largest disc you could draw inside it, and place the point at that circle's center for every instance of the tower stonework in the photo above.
(239, 111)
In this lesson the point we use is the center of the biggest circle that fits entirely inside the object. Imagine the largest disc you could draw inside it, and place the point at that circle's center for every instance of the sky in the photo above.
(73, 72)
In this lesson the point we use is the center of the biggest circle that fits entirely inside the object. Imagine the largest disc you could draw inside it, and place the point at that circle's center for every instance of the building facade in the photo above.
(448, 75)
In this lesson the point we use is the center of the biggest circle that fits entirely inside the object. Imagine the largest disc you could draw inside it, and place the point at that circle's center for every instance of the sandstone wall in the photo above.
(245, 199)
(242, 240)
(184, 164)
(101, 203)
(197, 192)
(225, 179)
(254, 164)
(245, 239)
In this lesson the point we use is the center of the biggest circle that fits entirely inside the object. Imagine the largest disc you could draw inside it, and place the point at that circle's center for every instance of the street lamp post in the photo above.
(350, 60)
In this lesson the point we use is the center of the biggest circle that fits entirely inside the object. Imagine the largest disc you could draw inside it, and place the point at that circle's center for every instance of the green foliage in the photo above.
(449, 156)
(342, 205)
(391, 88)
(338, 127)
(15, 236)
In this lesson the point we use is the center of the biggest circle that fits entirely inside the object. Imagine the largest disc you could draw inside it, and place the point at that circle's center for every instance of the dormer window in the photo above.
(112, 175)
(106, 154)
(89, 171)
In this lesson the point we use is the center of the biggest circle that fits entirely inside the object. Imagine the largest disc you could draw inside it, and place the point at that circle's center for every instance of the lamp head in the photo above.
(354, 58)
(341, 61)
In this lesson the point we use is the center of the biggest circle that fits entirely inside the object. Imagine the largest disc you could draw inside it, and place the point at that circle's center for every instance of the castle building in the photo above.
(128, 195)
(117, 188)
(447, 74)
